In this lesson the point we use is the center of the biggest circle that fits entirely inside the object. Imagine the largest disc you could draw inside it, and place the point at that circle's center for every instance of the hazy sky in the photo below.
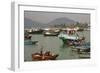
(46, 17)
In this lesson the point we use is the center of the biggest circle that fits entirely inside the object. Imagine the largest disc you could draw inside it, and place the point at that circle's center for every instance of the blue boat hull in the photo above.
(29, 42)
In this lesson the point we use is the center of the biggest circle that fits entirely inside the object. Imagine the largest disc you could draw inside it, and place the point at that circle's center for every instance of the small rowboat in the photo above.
(44, 56)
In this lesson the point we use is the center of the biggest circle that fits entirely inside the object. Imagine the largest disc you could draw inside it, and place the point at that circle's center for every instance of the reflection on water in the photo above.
(53, 44)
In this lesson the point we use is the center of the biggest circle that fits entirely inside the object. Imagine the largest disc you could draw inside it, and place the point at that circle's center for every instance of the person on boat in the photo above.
(47, 53)
(41, 52)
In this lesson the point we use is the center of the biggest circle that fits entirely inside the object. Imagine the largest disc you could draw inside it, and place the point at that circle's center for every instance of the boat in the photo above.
(81, 29)
(27, 36)
(50, 33)
(84, 56)
(71, 38)
(35, 31)
(83, 49)
(30, 42)
(44, 56)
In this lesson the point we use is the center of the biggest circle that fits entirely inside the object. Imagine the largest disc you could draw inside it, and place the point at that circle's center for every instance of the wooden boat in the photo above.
(44, 56)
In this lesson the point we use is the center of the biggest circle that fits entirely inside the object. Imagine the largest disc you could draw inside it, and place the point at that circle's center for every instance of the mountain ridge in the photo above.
(29, 23)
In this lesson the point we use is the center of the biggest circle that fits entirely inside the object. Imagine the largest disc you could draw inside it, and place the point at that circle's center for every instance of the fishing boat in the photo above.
(44, 56)
(35, 31)
(81, 29)
(49, 33)
(71, 38)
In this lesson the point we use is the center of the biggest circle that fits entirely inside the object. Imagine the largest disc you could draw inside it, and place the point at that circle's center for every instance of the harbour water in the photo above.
(53, 44)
